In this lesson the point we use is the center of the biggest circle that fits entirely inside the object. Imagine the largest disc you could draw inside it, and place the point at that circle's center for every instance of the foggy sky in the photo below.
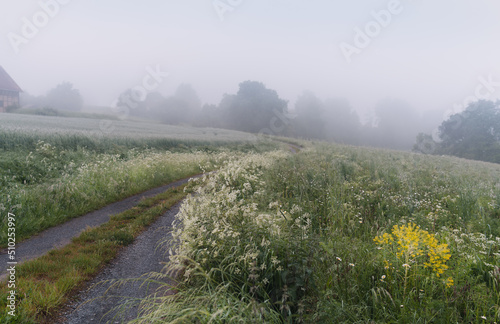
(432, 54)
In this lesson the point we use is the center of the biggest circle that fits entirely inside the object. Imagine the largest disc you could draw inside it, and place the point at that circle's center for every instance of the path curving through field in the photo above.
(97, 302)
(119, 284)
(61, 235)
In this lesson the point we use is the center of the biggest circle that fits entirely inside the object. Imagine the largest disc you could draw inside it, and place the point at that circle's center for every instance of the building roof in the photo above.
(7, 83)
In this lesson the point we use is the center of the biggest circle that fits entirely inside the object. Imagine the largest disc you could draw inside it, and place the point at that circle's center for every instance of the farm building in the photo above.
(9, 91)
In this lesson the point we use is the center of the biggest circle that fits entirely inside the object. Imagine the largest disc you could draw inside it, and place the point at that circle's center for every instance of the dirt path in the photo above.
(96, 304)
(61, 235)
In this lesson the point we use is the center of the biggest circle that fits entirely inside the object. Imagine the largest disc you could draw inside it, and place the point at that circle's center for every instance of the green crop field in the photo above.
(17, 130)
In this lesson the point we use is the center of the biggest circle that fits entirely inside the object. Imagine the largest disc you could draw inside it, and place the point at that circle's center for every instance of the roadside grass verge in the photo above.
(94, 184)
(50, 177)
(45, 284)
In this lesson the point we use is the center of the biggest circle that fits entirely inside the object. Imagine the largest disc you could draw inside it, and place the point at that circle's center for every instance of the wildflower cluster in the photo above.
(474, 247)
(414, 246)
(232, 230)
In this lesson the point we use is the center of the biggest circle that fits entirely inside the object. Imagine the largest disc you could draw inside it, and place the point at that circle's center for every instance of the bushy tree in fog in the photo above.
(425, 144)
(252, 108)
(342, 121)
(473, 133)
(64, 97)
(310, 122)
(129, 103)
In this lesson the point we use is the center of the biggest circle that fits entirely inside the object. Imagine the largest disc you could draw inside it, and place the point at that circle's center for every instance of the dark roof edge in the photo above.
(15, 86)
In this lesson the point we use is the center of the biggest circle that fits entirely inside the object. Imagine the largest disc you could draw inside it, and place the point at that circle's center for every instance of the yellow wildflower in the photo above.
(412, 243)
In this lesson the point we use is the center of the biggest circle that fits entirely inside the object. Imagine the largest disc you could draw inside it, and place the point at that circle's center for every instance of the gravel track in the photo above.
(61, 235)
(97, 301)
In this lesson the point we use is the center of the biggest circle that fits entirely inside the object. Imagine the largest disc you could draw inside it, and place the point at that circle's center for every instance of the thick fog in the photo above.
(392, 62)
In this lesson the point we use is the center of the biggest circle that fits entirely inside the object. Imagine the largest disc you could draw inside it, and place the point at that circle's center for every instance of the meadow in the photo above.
(55, 168)
(336, 234)
(329, 234)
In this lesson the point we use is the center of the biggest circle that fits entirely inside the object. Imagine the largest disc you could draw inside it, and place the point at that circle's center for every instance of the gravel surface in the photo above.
(97, 302)
(59, 236)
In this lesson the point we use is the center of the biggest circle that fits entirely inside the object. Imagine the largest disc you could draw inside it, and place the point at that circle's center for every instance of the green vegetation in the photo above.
(51, 173)
(105, 136)
(49, 191)
(44, 284)
(337, 234)
(472, 134)
(330, 234)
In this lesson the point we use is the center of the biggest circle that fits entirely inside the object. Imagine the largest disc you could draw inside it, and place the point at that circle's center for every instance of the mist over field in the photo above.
(372, 73)
(257, 161)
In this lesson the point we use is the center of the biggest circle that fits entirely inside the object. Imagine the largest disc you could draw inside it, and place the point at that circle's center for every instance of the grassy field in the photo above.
(56, 168)
(331, 234)
(337, 234)
(45, 284)
(98, 129)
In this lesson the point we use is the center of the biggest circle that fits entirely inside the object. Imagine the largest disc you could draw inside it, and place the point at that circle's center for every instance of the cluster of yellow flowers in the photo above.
(413, 244)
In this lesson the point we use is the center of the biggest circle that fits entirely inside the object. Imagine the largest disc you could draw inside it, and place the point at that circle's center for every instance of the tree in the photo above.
(253, 108)
(425, 144)
(473, 133)
(310, 120)
(64, 97)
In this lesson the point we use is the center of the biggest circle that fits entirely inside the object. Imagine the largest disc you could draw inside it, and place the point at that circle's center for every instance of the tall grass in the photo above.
(10, 141)
(55, 168)
(94, 183)
(338, 234)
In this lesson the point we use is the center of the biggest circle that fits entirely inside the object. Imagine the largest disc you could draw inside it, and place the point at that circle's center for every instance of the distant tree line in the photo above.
(180, 108)
(255, 108)
(62, 97)
(471, 134)
(258, 109)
